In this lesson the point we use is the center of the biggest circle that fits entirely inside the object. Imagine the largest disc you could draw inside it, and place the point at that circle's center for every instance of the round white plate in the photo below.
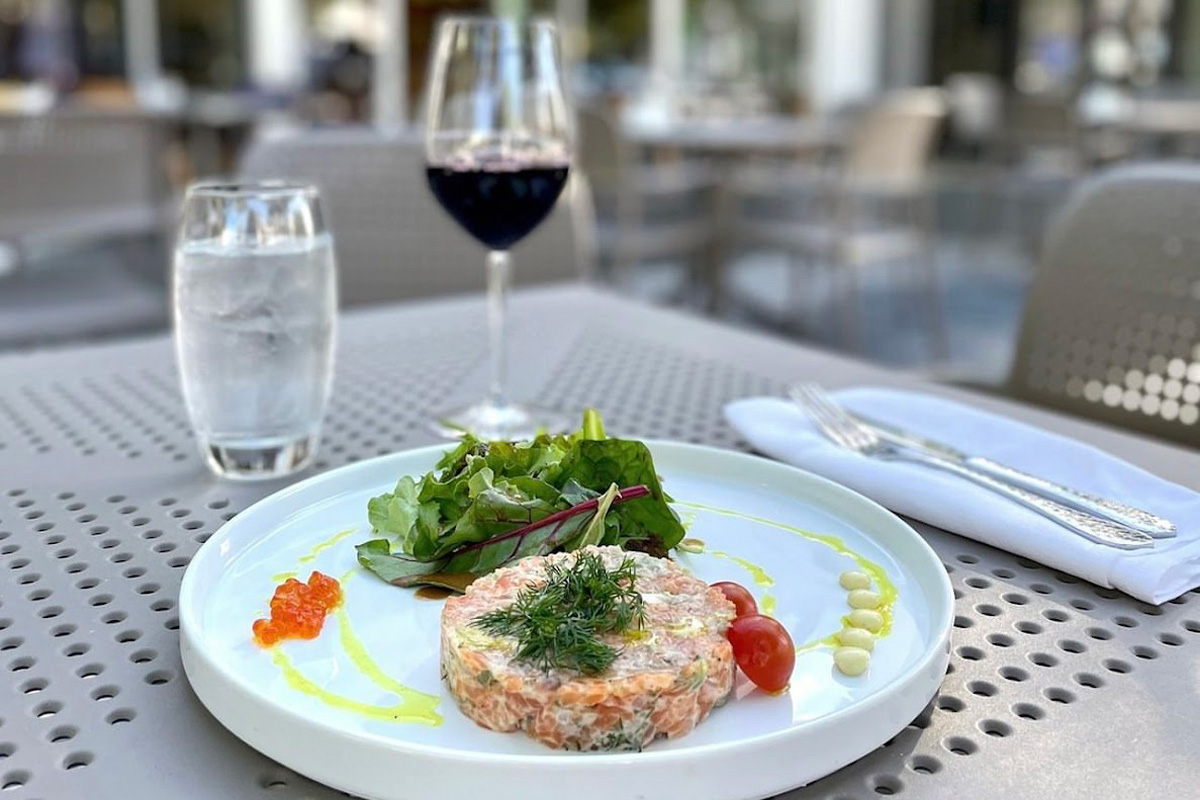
(753, 747)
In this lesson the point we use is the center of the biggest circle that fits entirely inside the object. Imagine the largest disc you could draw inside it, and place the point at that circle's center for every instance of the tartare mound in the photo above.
(668, 676)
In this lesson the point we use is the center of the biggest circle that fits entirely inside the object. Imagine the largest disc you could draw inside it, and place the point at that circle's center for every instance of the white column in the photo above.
(845, 51)
(278, 44)
(389, 84)
(666, 43)
(143, 62)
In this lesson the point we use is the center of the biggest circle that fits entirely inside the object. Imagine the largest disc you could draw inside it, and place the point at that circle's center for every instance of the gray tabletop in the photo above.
(1056, 689)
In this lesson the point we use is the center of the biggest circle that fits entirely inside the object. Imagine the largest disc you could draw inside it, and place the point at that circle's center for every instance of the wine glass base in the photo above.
(489, 422)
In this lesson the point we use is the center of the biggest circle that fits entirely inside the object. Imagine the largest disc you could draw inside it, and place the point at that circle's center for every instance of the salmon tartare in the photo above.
(668, 674)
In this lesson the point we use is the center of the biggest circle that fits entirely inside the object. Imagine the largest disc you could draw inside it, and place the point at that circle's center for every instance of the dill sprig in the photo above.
(557, 624)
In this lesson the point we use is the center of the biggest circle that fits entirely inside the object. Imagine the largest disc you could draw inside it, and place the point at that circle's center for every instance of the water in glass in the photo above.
(255, 334)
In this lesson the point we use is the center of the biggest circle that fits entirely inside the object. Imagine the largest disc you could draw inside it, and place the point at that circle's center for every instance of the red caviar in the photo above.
(298, 609)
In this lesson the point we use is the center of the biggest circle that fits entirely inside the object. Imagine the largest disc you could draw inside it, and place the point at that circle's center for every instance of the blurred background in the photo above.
(871, 176)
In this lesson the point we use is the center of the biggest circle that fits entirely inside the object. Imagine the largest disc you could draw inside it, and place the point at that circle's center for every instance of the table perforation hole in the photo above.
(76, 649)
(1170, 639)
(89, 671)
(11, 643)
(144, 656)
(14, 780)
(105, 693)
(1117, 666)
(134, 572)
(87, 583)
(128, 636)
(983, 688)
(7, 749)
(62, 733)
(1089, 680)
(1072, 646)
(47, 709)
(154, 534)
(33, 686)
(121, 716)
(65, 629)
(1125, 622)
(1014, 674)
(121, 557)
(969, 653)
(961, 621)
(960, 745)
(159, 677)
(21, 664)
(1041, 588)
(1042, 660)
(1057, 694)
(113, 617)
(1029, 711)
(950, 703)
(887, 785)
(1000, 640)
(272, 783)
(923, 764)
(78, 760)
(1028, 627)
(995, 728)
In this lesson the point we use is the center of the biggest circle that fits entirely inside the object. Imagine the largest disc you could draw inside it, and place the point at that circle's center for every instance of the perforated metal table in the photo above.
(1057, 688)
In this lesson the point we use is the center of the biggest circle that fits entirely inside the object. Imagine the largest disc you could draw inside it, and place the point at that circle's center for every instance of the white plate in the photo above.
(755, 746)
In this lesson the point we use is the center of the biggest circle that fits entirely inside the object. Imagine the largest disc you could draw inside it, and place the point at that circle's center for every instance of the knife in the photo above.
(1136, 518)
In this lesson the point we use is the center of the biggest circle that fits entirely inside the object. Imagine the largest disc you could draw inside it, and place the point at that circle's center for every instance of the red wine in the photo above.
(500, 207)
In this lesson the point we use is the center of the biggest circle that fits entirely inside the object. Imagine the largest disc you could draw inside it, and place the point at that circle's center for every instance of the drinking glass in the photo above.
(497, 149)
(255, 303)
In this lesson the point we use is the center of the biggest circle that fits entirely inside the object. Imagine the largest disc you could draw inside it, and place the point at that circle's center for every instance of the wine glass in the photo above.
(497, 150)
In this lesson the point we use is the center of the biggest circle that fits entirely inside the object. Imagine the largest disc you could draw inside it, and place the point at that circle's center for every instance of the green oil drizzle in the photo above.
(325, 545)
(760, 577)
(413, 708)
(887, 589)
(280, 577)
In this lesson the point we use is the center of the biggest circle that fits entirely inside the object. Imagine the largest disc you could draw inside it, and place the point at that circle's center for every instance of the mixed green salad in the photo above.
(487, 504)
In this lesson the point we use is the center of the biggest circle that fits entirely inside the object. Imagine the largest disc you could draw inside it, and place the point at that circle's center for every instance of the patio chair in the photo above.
(393, 240)
(81, 226)
(73, 178)
(1112, 324)
(645, 210)
(874, 206)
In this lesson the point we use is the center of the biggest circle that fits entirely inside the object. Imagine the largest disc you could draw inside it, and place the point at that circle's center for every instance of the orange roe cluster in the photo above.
(298, 609)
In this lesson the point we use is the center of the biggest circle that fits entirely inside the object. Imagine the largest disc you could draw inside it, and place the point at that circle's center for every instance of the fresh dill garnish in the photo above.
(557, 624)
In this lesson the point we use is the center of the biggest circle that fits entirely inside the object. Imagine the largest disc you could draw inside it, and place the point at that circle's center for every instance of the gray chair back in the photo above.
(74, 176)
(1112, 323)
(393, 241)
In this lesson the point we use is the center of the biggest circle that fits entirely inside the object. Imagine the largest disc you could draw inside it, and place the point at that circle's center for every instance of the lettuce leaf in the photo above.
(481, 507)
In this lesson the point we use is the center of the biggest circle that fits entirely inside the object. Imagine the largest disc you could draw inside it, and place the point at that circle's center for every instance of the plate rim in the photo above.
(940, 632)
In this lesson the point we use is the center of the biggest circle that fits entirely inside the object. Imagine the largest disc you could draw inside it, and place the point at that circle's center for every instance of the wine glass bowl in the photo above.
(498, 153)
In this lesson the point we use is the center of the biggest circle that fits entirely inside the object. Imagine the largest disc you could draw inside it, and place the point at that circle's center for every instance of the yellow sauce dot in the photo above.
(856, 637)
(865, 618)
(853, 579)
(863, 598)
(851, 661)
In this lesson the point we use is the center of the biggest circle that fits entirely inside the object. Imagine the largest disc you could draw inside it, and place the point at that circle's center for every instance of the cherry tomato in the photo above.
(743, 601)
(764, 651)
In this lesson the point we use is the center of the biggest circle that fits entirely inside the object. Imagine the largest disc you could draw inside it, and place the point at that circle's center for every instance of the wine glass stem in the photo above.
(498, 268)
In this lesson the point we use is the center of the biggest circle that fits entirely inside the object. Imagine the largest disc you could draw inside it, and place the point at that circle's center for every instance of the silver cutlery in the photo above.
(1139, 519)
(844, 430)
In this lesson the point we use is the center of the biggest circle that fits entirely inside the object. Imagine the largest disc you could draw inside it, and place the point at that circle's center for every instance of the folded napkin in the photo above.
(1171, 567)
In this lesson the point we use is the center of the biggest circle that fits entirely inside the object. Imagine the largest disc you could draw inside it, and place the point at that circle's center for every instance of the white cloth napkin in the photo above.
(781, 430)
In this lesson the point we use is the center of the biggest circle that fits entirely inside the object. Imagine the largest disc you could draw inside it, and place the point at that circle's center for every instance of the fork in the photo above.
(837, 425)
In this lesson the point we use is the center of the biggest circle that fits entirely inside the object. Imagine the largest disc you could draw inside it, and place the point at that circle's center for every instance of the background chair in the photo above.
(645, 211)
(81, 225)
(1112, 324)
(393, 240)
(875, 205)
